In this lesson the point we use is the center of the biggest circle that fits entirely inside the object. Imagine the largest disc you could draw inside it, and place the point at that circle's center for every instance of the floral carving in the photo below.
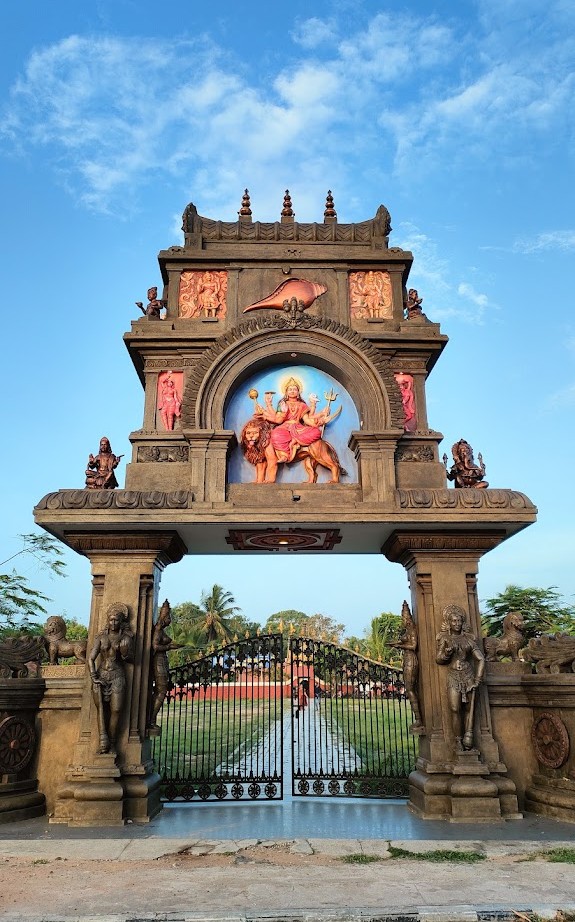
(117, 499)
(158, 453)
(415, 453)
(551, 654)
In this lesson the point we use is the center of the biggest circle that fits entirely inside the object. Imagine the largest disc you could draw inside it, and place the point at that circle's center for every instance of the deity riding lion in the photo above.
(255, 441)
(58, 646)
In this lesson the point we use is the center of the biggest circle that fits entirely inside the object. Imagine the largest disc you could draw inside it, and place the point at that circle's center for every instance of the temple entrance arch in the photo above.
(330, 297)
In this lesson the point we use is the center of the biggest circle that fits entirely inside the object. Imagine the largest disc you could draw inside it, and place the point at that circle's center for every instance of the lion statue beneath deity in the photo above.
(58, 646)
(255, 442)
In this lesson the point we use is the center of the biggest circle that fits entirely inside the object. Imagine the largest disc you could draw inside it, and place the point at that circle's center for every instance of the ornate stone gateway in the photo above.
(234, 720)
(284, 373)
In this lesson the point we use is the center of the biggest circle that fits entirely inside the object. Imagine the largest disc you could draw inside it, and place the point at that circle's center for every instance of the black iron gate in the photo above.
(226, 716)
(351, 724)
(221, 724)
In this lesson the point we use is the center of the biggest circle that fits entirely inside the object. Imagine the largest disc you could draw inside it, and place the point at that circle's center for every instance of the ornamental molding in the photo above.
(464, 499)
(168, 545)
(550, 740)
(262, 325)
(115, 499)
(401, 546)
(159, 453)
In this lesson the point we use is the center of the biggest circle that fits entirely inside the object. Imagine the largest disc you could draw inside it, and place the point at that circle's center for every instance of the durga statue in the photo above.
(293, 431)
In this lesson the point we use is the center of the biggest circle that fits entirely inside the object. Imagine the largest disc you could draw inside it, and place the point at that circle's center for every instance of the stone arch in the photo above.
(326, 344)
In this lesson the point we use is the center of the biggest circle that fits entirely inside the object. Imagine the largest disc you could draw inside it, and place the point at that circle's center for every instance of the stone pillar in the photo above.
(106, 790)
(209, 453)
(447, 784)
(375, 455)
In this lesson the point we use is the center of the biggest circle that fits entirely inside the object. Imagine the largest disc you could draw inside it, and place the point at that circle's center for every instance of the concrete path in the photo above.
(301, 880)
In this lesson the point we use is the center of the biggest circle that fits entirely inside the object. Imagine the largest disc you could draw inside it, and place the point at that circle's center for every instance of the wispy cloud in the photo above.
(552, 240)
(108, 113)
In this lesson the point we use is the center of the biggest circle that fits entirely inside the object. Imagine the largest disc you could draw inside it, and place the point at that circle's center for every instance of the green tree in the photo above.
(357, 644)
(286, 617)
(544, 611)
(19, 602)
(382, 630)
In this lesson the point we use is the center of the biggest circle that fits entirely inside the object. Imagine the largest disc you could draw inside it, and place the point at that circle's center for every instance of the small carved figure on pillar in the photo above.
(57, 644)
(100, 473)
(457, 649)
(465, 472)
(114, 646)
(405, 383)
(170, 405)
(408, 642)
(161, 643)
(153, 307)
(413, 305)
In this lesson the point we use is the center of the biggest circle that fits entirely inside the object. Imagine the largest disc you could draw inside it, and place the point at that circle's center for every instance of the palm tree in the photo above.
(214, 622)
(382, 630)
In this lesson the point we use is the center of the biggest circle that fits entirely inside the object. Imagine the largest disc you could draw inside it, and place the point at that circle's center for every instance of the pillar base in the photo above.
(468, 794)
(91, 795)
(20, 800)
(554, 797)
(142, 794)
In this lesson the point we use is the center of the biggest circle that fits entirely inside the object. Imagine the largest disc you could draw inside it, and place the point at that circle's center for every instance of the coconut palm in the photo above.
(214, 620)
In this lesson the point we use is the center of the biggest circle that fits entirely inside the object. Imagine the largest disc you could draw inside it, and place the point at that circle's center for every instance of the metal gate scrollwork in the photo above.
(226, 716)
(221, 724)
(351, 724)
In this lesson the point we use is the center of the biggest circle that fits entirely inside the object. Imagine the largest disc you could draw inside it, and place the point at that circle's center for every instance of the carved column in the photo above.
(209, 453)
(107, 789)
(450, 784)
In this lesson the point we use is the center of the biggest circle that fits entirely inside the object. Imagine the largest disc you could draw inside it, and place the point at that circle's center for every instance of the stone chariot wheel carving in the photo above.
(17, 744)
(550, 740)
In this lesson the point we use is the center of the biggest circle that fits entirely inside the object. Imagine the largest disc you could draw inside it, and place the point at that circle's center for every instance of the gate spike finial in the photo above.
(245, 210)
(281, 625)
(330, 212)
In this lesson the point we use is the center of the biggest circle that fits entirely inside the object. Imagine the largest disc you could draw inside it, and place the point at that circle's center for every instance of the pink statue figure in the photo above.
(100, 473)
(372, 294)
(170, 405)
(405, 383)
(154, 306)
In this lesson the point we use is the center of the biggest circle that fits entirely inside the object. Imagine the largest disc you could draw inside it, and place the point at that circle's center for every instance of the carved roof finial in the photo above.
(245, 211)
(330, 214)
(287, 210)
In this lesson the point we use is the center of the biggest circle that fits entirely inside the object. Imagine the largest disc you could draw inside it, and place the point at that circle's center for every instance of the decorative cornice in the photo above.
(262, 325)
(465, 499)
(197, 228)
(115, 499)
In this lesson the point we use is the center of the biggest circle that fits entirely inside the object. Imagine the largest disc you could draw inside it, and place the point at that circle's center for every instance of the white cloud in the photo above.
(399, 89)
(563, 398)
(310, 33)
(551, 240)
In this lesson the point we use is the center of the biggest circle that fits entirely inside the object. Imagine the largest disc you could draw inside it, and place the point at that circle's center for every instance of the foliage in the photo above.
(360, 858)
(214, 622)
(320, 626)
(357, 644)
(19, 603)
(438, 855)
(544, 611)
(564, 855)
(383, 630)
(75, 630)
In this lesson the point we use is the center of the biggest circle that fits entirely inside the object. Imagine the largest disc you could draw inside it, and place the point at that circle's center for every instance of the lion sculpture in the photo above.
(58, 646)
(255, 439)
(512, 641)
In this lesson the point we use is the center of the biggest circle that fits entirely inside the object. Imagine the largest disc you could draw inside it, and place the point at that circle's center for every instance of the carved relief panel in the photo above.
(370, 295)
(203, 294)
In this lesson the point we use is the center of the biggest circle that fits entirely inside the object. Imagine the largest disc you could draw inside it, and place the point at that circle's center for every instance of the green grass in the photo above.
(438, 855)
(559, 855)
(198, 737)
(378, 731)
(360, 859)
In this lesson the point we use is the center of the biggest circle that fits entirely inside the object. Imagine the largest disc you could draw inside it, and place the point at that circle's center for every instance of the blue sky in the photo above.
(458, 117)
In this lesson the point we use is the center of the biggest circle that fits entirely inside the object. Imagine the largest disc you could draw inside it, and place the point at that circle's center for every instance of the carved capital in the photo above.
(406, 547)
(167, 546)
